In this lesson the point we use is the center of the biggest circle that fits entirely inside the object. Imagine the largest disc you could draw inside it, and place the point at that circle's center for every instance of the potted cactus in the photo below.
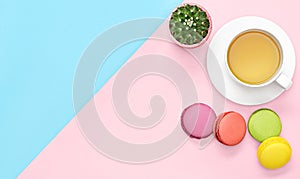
(190, 25)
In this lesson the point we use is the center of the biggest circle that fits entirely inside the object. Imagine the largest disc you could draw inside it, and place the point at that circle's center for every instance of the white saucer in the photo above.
(223, 81)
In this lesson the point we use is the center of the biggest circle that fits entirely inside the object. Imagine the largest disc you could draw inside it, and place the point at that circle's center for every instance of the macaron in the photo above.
(263, 124)
(197, 120)
(274, 152)
(230, 128)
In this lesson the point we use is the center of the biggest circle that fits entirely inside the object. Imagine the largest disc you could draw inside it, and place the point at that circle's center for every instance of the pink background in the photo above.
(70, 156)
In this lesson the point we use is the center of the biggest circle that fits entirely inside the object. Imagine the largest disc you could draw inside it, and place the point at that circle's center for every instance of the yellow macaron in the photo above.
(274, 152)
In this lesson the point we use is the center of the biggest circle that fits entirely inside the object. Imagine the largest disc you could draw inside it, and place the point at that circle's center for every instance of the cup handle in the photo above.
(284, 81)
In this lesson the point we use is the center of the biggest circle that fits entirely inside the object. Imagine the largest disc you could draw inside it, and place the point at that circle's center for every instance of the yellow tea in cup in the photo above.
(254, 57)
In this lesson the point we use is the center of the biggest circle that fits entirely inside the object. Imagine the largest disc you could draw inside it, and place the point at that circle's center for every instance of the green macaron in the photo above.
(263, 124)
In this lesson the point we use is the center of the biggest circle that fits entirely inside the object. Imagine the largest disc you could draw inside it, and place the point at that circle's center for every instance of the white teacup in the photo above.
(254, 58)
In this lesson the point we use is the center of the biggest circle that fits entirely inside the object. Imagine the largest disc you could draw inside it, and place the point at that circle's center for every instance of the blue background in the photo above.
(40, 45)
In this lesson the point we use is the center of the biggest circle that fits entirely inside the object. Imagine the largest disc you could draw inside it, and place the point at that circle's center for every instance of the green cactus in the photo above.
(189, 24)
